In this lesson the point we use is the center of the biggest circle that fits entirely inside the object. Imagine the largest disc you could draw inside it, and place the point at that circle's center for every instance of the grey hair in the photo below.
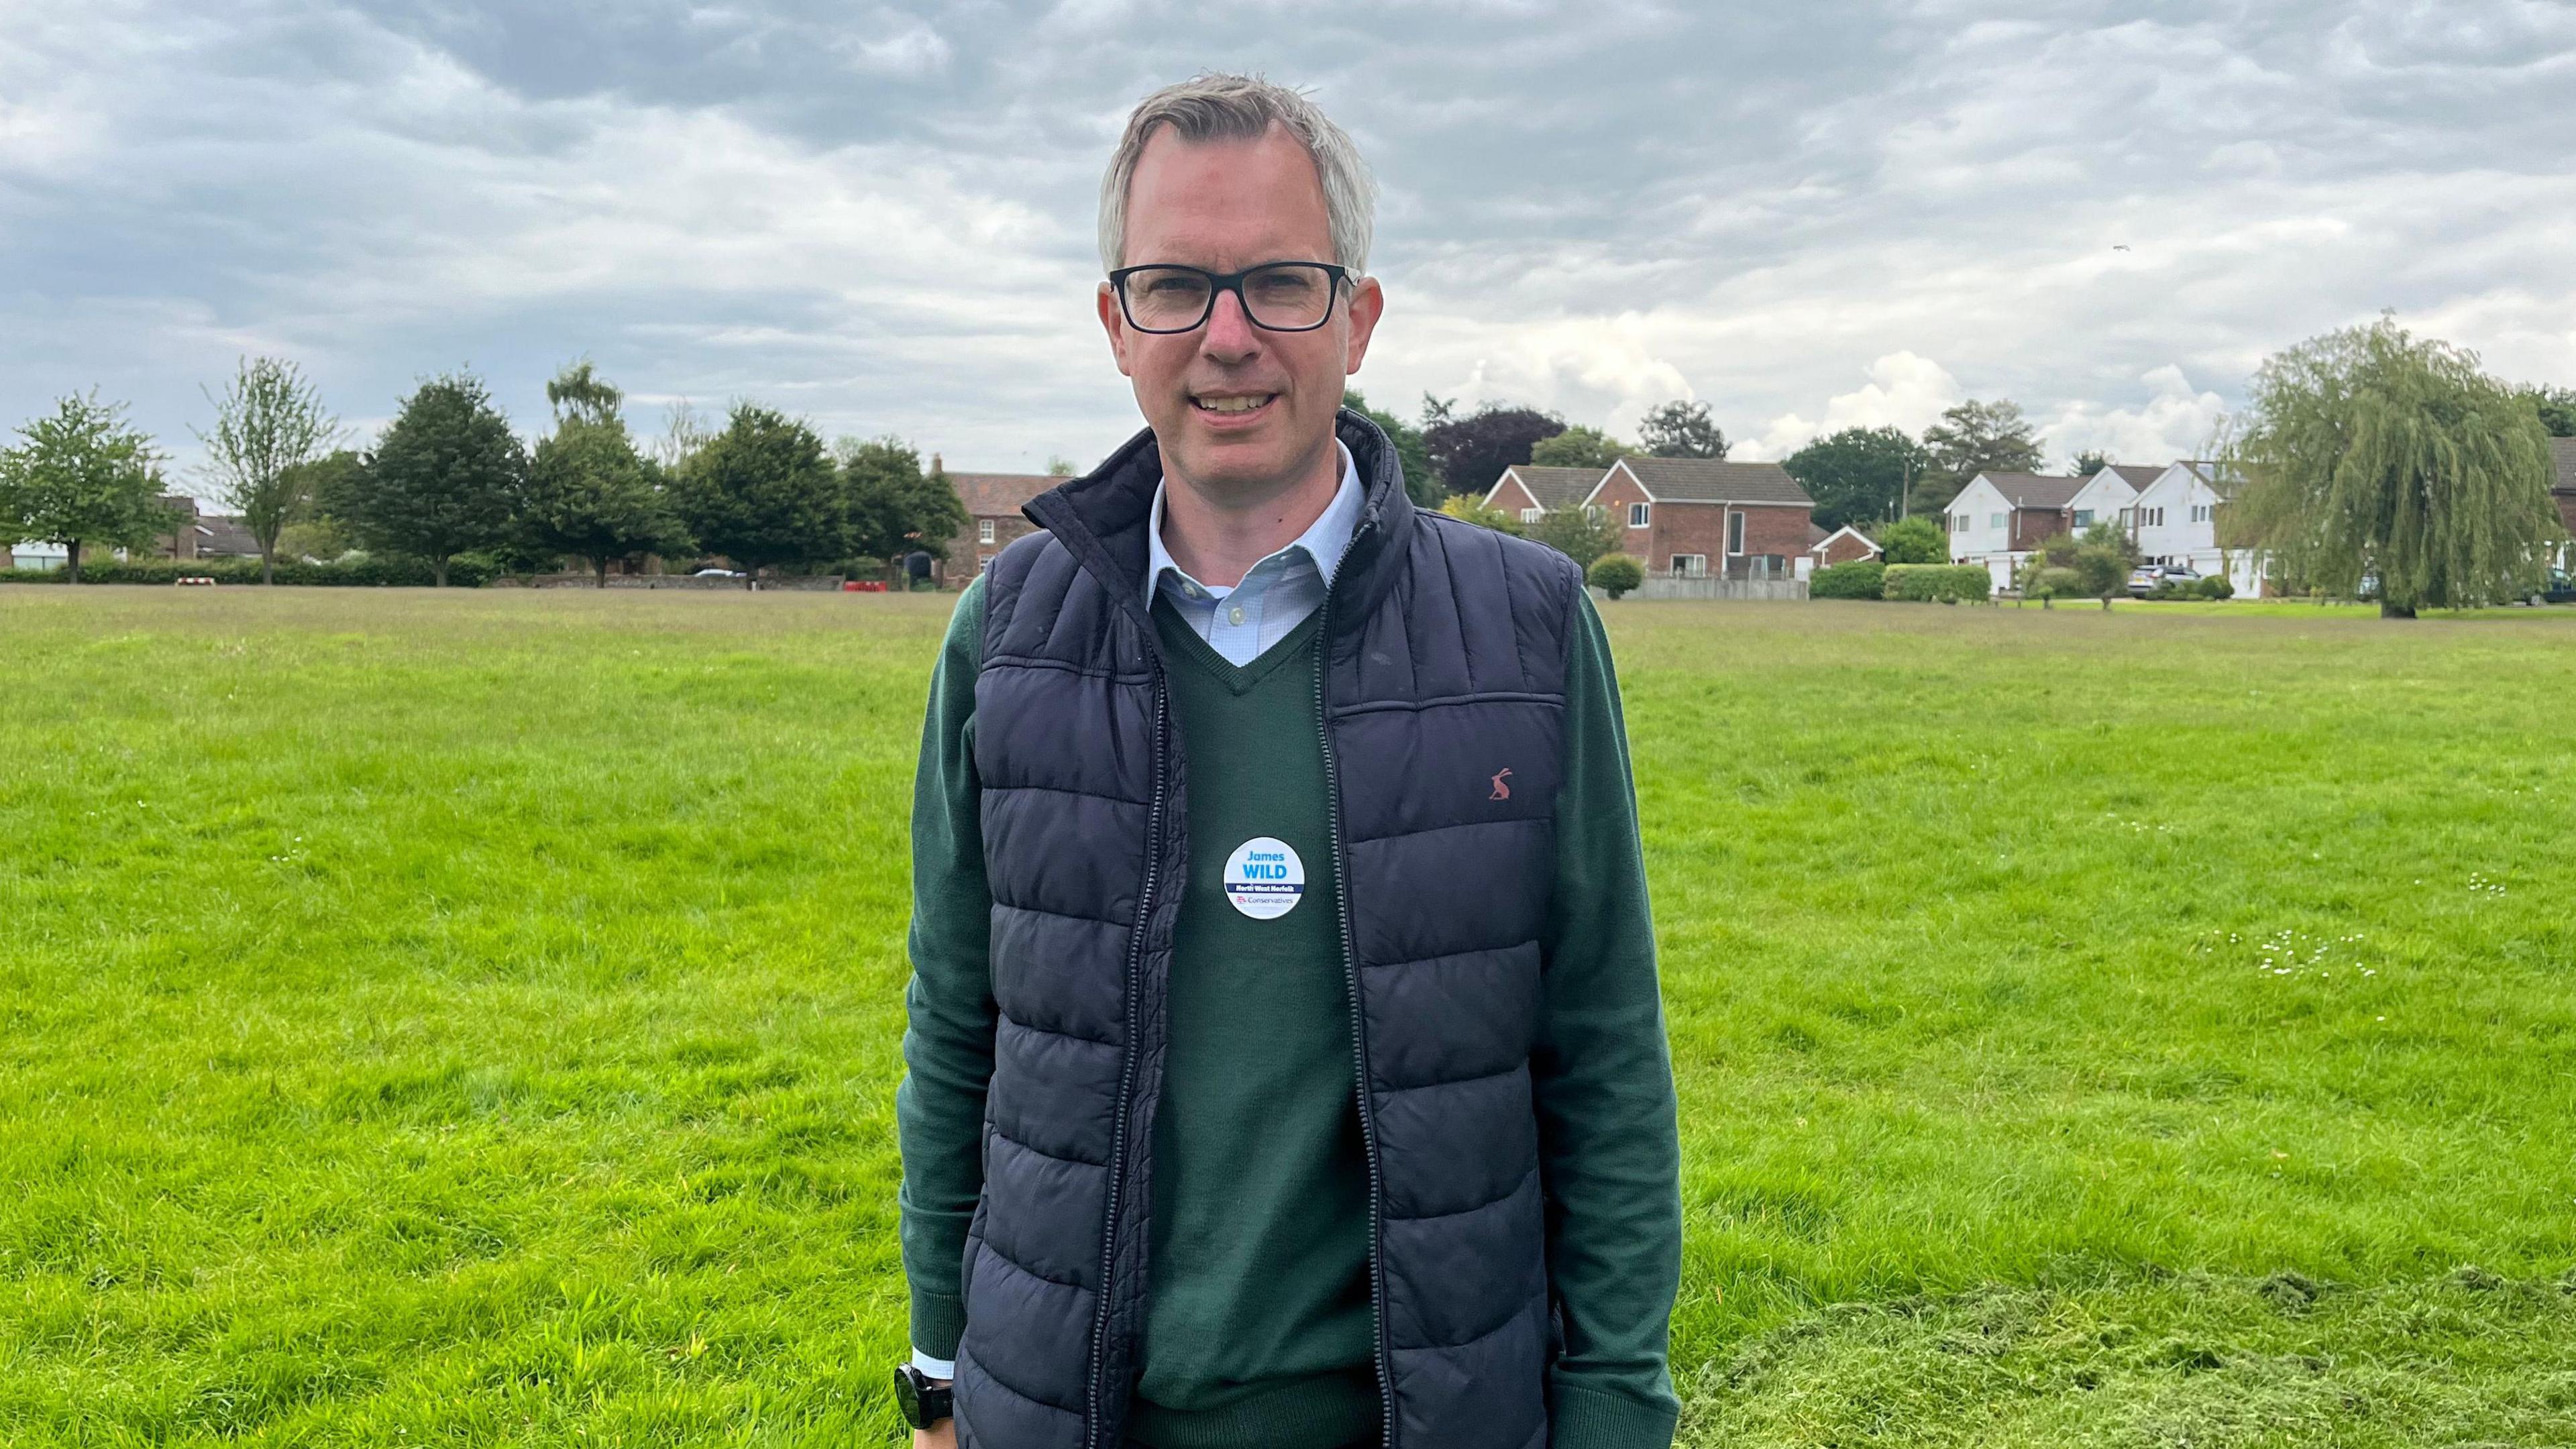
(1213, 107)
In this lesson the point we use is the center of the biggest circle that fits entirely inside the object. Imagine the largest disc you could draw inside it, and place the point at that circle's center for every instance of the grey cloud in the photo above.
(880, 215)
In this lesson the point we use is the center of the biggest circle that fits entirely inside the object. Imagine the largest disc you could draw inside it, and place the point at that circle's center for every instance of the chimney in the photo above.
(936, 466)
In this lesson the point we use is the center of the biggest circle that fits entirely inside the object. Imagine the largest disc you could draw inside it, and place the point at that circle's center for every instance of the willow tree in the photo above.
(2370, 454)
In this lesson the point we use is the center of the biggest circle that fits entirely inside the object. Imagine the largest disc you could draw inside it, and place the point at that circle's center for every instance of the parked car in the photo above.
(2561, 588)
(2146, 579)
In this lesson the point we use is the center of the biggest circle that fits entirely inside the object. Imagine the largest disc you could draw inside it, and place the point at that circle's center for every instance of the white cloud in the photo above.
(1904, 391)
(2176, 421)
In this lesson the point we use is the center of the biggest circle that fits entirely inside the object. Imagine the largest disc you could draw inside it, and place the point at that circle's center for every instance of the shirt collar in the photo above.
(1324, 541)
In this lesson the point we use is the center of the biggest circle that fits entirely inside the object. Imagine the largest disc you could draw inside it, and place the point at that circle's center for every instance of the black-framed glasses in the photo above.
(1276, 296)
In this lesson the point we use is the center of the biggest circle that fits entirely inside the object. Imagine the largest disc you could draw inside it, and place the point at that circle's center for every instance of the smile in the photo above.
(1234, 403)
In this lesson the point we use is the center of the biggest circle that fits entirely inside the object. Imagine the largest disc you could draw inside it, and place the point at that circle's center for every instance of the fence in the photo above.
(1704, 586)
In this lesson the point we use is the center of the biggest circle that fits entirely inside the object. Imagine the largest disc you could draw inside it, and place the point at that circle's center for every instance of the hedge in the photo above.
(467, 571)
(1860, 579)
(1929, 583)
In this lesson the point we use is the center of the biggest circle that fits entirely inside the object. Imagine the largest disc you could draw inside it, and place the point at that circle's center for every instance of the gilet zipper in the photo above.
(1096, 1420)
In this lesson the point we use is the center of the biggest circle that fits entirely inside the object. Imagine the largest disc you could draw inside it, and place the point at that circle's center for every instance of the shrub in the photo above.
(2054, 583)
(1862, 579)
(1616, 573)
(1914, 541)
(358, 570)
(2215, 587)
(1927, 583)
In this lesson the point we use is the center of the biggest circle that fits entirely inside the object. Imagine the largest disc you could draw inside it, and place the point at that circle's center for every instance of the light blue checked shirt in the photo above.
(1276, 594)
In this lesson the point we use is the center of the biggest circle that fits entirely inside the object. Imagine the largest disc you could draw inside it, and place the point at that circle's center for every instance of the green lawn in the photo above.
(472, 1018)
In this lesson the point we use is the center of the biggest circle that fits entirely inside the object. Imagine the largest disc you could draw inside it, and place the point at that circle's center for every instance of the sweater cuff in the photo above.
(1583, 1418)
(938, 1321)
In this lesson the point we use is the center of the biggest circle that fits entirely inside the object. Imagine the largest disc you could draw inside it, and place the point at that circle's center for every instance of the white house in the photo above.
(2107, 494)
(2174, 520)
(2000, 518)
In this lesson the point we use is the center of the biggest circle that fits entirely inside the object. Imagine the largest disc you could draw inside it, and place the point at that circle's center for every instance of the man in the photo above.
(1287, 1069)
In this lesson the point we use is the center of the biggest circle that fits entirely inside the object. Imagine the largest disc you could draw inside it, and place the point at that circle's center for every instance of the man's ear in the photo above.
(1368, 303)
(1114, 322)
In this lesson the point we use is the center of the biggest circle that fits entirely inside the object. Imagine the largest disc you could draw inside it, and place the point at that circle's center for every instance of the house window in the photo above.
(1637, 515)
(983, 530)
(2152, 517)
(1994, 520)
(1735, 533)
(2084, 518)
(1958, 523)
(2200, 513)
(1690, 565)
(1532, 515)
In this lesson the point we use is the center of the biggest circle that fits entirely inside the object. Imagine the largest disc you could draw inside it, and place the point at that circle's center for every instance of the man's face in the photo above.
(1224, 206)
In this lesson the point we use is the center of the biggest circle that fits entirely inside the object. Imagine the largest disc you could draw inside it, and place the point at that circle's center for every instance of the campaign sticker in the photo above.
(1264, 878)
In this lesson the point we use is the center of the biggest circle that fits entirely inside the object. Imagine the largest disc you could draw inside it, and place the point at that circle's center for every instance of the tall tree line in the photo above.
(449, 476)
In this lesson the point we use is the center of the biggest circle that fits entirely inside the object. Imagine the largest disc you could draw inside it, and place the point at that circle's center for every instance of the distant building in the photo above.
(34, 554)
(2562, 455)
(2180, 519)
(993, 517)
(1844, 545)
(2000, 519)
(1703, 517)
(2106, 494)
(1528, 492)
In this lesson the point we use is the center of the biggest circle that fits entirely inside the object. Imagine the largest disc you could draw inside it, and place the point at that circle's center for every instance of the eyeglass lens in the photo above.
(1285, 298)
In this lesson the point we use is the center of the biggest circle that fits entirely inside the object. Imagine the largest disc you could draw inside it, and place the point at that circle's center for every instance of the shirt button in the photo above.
(1234, 615)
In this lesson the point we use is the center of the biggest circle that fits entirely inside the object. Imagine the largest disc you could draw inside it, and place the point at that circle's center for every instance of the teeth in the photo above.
(1232, 404)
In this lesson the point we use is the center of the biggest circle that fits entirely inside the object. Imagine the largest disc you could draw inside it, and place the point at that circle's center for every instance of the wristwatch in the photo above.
(923, 1400)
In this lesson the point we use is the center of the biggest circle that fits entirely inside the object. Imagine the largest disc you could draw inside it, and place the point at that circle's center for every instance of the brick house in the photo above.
(1704, 516)
(1844, 545)
(993, 518)
(2562, 453)
(1526, 490)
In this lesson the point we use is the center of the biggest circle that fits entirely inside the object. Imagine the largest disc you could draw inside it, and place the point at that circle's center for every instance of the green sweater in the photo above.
(1258, 1328)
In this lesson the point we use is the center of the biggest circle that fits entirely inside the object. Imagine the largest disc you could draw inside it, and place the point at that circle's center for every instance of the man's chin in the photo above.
(1253, 459)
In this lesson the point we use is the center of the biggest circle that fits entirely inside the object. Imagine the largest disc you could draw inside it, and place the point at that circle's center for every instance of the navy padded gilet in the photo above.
(1443, 694)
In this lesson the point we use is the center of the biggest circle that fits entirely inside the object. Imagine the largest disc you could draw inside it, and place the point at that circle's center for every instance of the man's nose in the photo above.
(1230, 335)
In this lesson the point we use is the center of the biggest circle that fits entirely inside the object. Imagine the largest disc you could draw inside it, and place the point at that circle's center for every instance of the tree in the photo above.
(1471, 452)
(1581, 534)
(1973, 438)
(328, 486)
(448, 476)
(1914, 541)
(683, 434)
(1681, 429)
(763, 494)
(1421, 480)
(1060, 466)
(894, 506)
(2103, 560)
(2087, 463)
(268, 423)
(2370, 454)
(1615, 574)
(1580, 447)
(1472, 508)
(83, 476)
(1858, 474)
(590, 493)
(2557, 409)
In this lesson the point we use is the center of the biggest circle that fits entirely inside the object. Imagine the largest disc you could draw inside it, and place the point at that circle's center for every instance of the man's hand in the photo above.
(942, 1435)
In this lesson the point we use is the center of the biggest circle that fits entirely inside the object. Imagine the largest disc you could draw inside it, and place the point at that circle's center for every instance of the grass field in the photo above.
(472, 1018)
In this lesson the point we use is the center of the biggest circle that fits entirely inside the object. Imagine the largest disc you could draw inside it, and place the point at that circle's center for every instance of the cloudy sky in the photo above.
(881, 216)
